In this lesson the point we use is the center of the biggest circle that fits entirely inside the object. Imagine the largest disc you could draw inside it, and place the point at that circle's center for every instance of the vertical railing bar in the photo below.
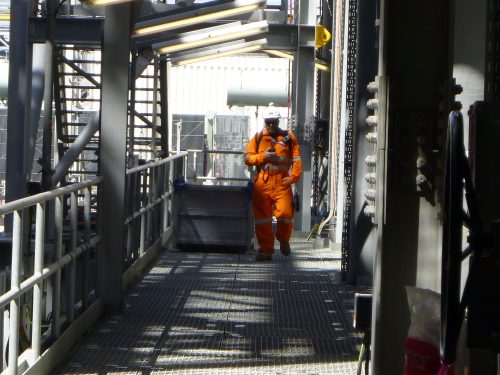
(3, 321)
(154, 223)
(72, 265)
(86, 264)
(145, 217)
(130, 205)
(15, 279)
(142, 235)
(165, 201)
(195, 161)
(185, 166)
(37, 290)
(56, 329)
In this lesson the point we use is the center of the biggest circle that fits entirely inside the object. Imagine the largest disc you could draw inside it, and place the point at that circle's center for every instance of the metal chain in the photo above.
(493, 54)
(496, 52)
(348, 150)
(327, 2)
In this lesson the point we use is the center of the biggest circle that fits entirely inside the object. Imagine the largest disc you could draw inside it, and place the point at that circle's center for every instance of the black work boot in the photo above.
(285, 248)
(263, 256)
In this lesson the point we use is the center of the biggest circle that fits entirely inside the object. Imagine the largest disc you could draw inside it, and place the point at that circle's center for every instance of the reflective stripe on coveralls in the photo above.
(270, 196)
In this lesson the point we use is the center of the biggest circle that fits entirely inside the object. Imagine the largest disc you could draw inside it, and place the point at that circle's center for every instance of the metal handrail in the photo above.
(195, 153)
(46, 196)
(35, 282)
(156, 163)
(147, 216)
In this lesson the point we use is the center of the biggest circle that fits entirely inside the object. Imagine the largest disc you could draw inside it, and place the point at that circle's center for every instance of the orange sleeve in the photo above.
(296, 171)
(252, 156)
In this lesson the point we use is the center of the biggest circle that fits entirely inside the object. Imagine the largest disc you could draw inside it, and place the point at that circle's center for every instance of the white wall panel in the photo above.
(202, 88)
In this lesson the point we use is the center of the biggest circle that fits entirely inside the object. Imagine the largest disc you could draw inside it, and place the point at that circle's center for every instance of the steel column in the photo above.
(115, 78)
(362, 237)
(48, 95)
(414, 92)
(303, 110)
(17, 173)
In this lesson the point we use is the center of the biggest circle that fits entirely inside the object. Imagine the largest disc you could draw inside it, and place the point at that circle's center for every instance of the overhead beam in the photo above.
(74, 30)
(195, 15)
(279, 36)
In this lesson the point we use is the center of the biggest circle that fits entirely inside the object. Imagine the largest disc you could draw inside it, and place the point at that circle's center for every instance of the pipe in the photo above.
(334, 114)
(37, 92)
(76, 148)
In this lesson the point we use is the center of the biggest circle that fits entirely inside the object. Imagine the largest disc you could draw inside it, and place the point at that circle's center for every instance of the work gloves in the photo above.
(270, 156)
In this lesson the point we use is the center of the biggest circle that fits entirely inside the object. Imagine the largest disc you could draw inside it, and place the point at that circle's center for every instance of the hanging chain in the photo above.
(348, 150)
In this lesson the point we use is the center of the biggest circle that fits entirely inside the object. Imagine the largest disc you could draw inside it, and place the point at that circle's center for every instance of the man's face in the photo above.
(272, 125)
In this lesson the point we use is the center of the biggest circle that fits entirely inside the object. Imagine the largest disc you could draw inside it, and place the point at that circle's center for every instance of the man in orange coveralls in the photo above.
(276, 154)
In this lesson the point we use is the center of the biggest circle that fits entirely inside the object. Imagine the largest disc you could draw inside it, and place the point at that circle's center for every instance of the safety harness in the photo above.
(284, 133)
(286, 139)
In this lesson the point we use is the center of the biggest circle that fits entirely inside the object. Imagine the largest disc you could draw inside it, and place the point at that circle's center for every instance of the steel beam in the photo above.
(68, 30)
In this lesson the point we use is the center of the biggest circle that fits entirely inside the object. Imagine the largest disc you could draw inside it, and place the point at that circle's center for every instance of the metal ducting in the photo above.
(259, 88)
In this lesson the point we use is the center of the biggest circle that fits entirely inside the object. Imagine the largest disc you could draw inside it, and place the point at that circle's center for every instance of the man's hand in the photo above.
(287, 181)
(270, 155)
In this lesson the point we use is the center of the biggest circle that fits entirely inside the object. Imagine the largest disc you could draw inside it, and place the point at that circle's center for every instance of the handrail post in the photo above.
(56, 303)
(15, 278)
(86, 265)
(72, 265)
(37, 290)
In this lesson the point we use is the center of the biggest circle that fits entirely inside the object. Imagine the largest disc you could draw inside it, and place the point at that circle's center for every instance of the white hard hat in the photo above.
(271, 112)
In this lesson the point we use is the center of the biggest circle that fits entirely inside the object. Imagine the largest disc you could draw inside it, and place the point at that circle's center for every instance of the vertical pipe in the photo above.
(56, 308)
(72, 264)
(37, 289)
(15, 280)
(334, 114)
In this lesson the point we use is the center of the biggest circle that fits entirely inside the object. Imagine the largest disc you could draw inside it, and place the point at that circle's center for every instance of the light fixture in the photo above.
(320, 65)
(211, 36)
(196, 16)
(278, 53)
(103, 2)
(219, 51)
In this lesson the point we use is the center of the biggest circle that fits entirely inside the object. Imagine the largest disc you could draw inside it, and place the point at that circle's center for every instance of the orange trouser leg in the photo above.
(284, 213)
(263, 214)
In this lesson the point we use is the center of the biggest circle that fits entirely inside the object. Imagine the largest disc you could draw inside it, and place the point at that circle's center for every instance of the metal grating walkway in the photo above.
(213, 313)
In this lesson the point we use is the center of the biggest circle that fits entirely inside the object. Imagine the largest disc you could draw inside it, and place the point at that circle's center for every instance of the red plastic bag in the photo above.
(421, 358)
(422, 342)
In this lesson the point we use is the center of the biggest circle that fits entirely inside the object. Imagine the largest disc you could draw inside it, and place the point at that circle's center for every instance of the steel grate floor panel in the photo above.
(212, 313)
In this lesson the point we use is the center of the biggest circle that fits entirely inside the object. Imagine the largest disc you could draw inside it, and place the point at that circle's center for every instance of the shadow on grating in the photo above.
(224, 313)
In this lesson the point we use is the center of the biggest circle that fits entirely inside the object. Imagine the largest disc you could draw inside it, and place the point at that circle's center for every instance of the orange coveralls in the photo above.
(269, 194)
